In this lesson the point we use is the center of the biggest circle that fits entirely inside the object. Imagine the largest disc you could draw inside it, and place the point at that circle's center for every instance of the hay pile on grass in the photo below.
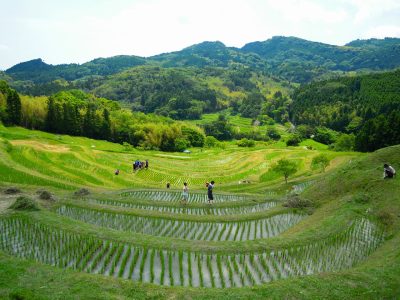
(24, 203)
(82, 192)
(12, 191)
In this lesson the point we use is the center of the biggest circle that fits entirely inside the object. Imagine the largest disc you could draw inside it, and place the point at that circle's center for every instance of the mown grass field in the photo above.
(130, 237)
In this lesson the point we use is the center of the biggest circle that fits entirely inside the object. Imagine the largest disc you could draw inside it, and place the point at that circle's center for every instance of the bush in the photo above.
(293, 140)
(325, 136)
(24, 203)
(295, 201)
(273, 134)
(181, 144)
(210, 142)
(246, 143)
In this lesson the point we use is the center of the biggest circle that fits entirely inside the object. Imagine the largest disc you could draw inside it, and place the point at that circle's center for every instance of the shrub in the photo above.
(181, 144)
(325, 136)
(273, 134)
(210, 142)
(246, 143)
(293, 140)
(24, 203)
(295, 201)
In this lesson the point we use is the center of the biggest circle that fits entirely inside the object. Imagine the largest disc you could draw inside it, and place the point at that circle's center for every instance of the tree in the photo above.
(220, 129)
(13, 109)
(285, 167)
(320, 161)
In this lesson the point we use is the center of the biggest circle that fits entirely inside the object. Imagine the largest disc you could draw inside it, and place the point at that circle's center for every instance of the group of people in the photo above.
(185, 192)
(138, 165)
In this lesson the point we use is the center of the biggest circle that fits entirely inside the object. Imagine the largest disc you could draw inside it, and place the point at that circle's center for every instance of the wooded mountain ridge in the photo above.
(290, 58)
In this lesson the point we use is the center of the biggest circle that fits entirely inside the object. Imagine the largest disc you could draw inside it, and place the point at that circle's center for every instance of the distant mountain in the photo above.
(301, 60)
(39, 72)
(289, 58)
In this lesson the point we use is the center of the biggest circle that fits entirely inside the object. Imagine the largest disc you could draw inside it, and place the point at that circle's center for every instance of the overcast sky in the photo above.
(76, 31)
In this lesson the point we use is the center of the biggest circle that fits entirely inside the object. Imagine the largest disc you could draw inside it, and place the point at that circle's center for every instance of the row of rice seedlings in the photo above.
(199, 211)
(191, 230)
(177, 196)
(26, 239)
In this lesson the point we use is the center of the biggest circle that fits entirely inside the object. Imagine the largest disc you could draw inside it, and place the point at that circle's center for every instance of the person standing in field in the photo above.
(185, 193)
(210, 195)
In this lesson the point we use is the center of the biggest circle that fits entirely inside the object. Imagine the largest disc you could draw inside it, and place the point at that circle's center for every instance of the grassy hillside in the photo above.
(132, 238)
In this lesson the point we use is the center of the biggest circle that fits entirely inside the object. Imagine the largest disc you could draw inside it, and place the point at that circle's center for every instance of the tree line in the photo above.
(77, 113)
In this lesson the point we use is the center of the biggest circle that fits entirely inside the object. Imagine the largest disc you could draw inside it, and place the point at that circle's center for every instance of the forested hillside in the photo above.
(368, 106)
(290, 58)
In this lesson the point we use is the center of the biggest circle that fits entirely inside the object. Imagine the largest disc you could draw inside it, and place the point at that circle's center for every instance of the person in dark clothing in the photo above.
(147, 164)
(116, 172)
(210, 192)
(388, 171)
(168, 185)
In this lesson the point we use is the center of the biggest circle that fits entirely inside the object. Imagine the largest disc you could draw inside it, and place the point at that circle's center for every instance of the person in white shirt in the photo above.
(185, 193)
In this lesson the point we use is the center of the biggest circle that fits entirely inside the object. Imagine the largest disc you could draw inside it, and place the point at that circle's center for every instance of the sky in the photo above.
(77, 31)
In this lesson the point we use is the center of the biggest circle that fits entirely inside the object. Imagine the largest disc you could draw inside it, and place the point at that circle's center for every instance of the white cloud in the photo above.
(369, 9)
(3, 47)
(308, 11)
(382, 32)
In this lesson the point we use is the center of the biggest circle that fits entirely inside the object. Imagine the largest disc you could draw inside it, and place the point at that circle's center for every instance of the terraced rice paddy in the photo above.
(209, 231)
(68, 163)
(177, 196)
(61, 248)
(187, 209)
(145, 234)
